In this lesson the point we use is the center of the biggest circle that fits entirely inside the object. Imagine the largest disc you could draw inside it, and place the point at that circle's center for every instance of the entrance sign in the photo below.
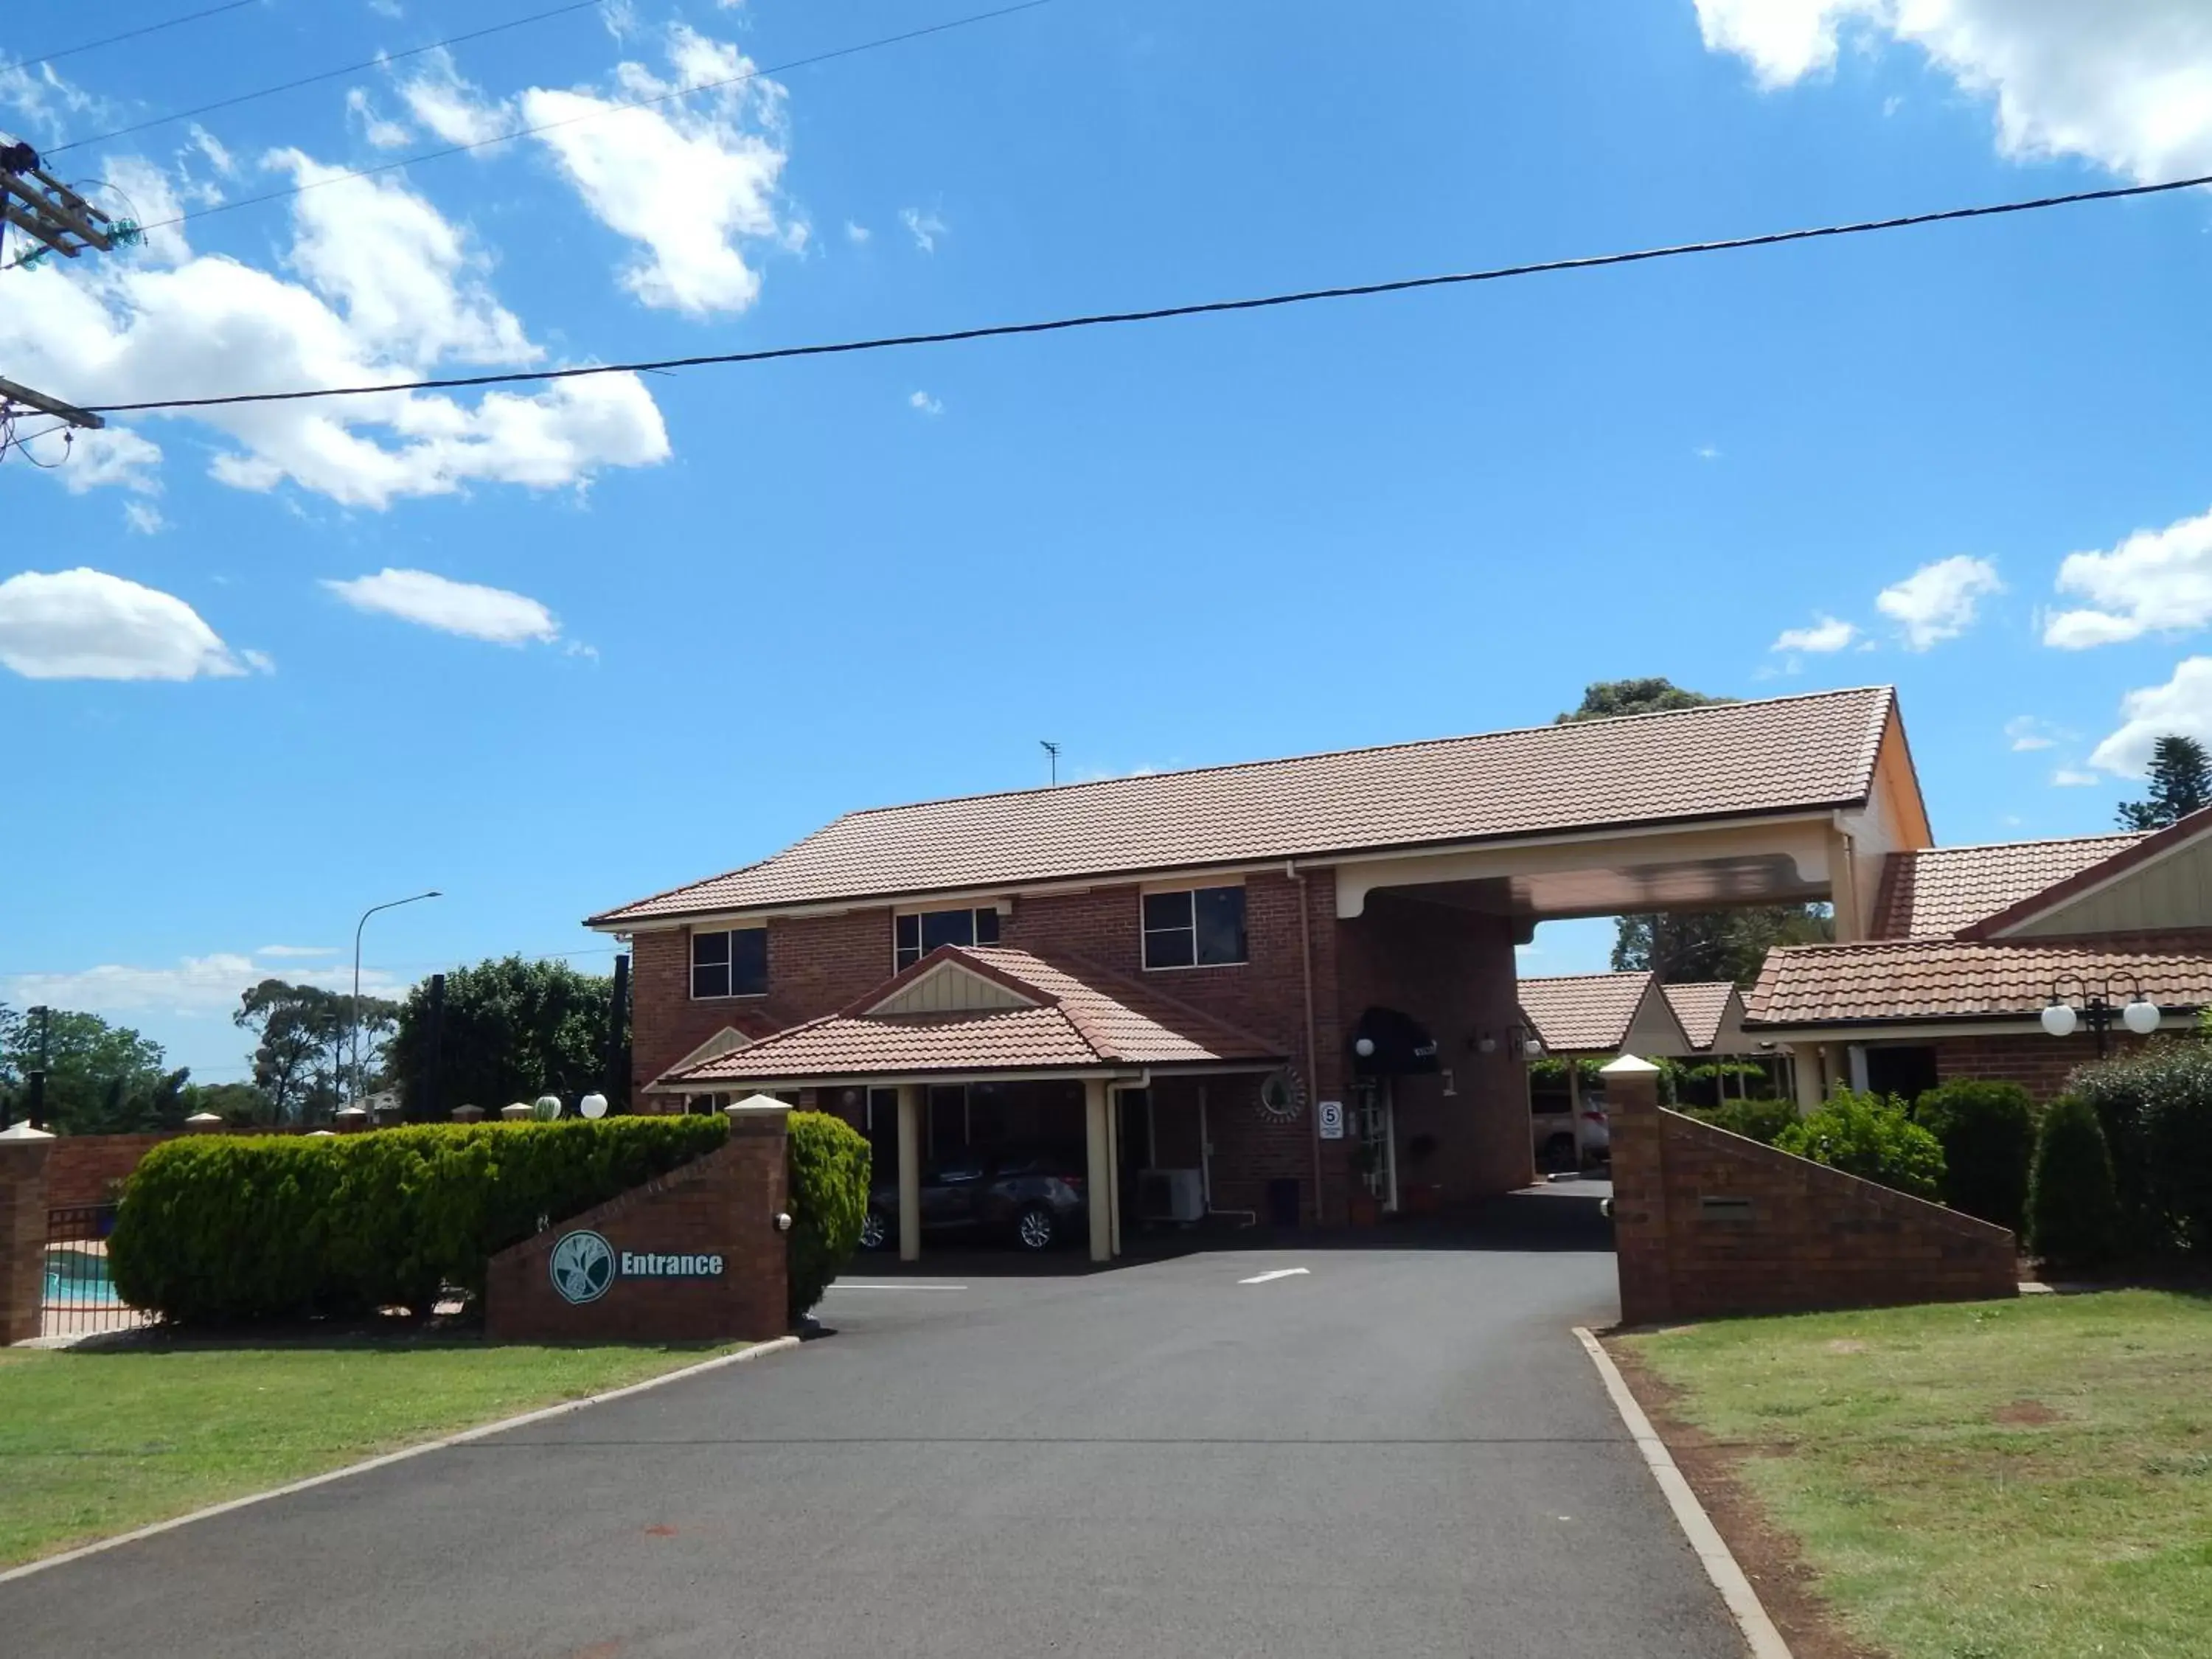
(585, 1267)
(1332, 1120)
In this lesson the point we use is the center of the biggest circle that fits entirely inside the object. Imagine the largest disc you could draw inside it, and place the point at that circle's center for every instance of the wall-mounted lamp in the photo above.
(2060, 1018)
(1364, 1048)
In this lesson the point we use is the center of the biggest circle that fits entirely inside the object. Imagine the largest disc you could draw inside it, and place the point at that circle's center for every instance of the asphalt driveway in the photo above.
(1395, 1452)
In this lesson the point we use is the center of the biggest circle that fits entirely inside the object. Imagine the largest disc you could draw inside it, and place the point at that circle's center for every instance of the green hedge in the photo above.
(2073, 1211)
(829, 1177)
(2156, 1110)
(1988, 1131)
(1763, 1120)
(1869, 1136)
(217, 1227)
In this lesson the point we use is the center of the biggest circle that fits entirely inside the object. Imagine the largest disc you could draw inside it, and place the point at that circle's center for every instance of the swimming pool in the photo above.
(76, 1276)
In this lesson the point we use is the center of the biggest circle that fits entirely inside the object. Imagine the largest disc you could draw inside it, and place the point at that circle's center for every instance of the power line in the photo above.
(611, 108)
(1202, 308)
(127, 34)
(379, 62)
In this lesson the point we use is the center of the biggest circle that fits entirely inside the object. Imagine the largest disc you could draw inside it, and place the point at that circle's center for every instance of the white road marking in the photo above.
(842, 1285)
(1280, 1272)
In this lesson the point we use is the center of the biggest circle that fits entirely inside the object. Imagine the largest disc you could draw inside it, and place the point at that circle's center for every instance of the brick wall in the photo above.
(1709, 1223)
(23, 1164)
(84, 1169)
(2038, 1063)
(725, 1203)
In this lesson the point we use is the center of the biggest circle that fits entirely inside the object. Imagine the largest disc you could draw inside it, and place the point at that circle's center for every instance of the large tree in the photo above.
(1686, 945)
(303, 1047)
(513, 1031)
(2180, 783)
(100, 1078)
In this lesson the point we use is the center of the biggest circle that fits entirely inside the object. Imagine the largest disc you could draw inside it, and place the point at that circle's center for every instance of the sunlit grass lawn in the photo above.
(95, 1442)
(2025, 1479)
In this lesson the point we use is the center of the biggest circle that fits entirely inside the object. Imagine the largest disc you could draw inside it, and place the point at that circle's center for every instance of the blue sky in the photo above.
(551, 650)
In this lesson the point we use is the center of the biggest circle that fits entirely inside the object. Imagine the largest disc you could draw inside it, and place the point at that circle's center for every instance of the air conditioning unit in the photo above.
(1170, 1195)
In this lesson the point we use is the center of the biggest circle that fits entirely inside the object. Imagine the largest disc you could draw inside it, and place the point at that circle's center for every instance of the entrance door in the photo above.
(1375, 1127)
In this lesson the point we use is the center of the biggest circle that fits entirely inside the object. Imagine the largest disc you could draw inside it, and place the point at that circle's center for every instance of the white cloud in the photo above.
(2027, 733)
(144, 517)
(2073, 777)
(2180, 707)
(690, 180)
(110, 455)
(2125, 83)
(857, 234)
(466, 608)
(926, 403)
(87, 625)
(297, 951)
(1939, 601)
(1709, 452)
(452, 108)
(383, 134)
(207, 987)
(387, 289)
(2156, 580)
(1826, 635)
(924, 226)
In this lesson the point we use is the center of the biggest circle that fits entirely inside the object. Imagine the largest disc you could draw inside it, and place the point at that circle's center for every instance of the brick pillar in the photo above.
(1639, 1191)
(22, 1231)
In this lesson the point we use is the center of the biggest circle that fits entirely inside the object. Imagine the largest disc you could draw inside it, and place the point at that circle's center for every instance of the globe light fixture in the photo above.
(2141, 1016)
(2099, 1008)
(1364, 1048)
(593, 1105)
(2059, 1020)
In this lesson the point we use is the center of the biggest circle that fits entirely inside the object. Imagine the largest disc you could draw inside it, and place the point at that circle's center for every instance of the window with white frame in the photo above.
(731, 965)
(913, 936)
(1199, 927)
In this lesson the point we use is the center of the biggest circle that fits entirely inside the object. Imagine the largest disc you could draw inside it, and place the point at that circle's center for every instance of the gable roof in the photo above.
(1595, 1013)
(1807, 753)
(1703, 1008)
(1935, 891)
(1080, 1018)
(2141, 850)
(1893, 980)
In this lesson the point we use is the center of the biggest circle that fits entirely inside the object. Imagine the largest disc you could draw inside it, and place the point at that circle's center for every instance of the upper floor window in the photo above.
(1202, 927)
(731, 965)
(913, 937)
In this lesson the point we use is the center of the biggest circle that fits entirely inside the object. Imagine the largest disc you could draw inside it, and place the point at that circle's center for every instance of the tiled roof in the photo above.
(1786, 754)
(1701, 1007)
(1087, 1018)
(2138, 850)
(1934, 893)
(1951, 979)
(1583, 1013)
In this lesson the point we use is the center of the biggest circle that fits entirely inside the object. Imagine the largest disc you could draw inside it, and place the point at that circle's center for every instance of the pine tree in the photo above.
(2180, 783)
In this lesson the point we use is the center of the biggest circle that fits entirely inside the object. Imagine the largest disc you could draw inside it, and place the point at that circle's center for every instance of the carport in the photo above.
(1034, 1032)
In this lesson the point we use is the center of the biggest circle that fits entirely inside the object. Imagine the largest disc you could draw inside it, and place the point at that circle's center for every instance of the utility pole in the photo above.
(61, 222)
(1052, 754)
(37, 1092)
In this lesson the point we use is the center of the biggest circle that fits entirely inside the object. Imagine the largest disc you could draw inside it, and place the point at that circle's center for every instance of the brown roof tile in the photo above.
(1934, 893)
(2136, 851)
(1952, 979)
(1087, 1018)
(1786, 754)
(1583, 1013)
(1701, 1007)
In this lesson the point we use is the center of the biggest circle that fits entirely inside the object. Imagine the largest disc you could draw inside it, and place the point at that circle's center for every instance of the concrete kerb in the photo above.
(1744, 1606)
(545, 1414)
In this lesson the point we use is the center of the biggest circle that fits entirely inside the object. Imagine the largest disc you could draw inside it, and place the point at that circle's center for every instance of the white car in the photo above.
(1554, 1134)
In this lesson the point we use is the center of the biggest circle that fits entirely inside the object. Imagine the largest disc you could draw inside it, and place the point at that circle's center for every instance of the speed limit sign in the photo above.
(1332, 1120)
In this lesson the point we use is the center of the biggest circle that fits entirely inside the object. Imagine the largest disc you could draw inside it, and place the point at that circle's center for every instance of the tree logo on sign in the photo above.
(583, 1265)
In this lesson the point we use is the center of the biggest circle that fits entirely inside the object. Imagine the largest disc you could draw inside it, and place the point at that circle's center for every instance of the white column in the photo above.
(1805, 1063)
(909, 1145)
(1575, 1104)
(1098, 1171)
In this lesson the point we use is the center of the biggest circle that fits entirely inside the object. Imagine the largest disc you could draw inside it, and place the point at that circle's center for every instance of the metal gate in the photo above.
(79, 1298)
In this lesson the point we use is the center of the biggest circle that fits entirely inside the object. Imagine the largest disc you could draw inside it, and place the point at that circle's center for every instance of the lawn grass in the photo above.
(94, 1443)
(2027, 1480)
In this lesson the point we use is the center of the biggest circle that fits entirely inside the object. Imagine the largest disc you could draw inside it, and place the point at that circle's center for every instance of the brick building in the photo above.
(1972, 945)
(1293, 981)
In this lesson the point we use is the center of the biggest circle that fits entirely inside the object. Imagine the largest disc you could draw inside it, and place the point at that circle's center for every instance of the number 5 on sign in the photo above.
(1332, 1120)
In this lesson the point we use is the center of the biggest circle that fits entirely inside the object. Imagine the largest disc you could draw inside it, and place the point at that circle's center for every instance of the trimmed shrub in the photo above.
(1988, 1133)
(829, 1177)
(1869, 1136)
(2156, 1110)
(2073, 1211)
(1762, 1120)
(218, 1228)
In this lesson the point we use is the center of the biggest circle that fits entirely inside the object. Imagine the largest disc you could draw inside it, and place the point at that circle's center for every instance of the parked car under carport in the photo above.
(1033, 1197)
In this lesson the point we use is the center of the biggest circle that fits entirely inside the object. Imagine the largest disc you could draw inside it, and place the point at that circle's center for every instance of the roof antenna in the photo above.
(1052, 754)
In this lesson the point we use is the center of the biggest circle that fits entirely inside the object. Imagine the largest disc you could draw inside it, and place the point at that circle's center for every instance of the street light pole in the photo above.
(353, 1009)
